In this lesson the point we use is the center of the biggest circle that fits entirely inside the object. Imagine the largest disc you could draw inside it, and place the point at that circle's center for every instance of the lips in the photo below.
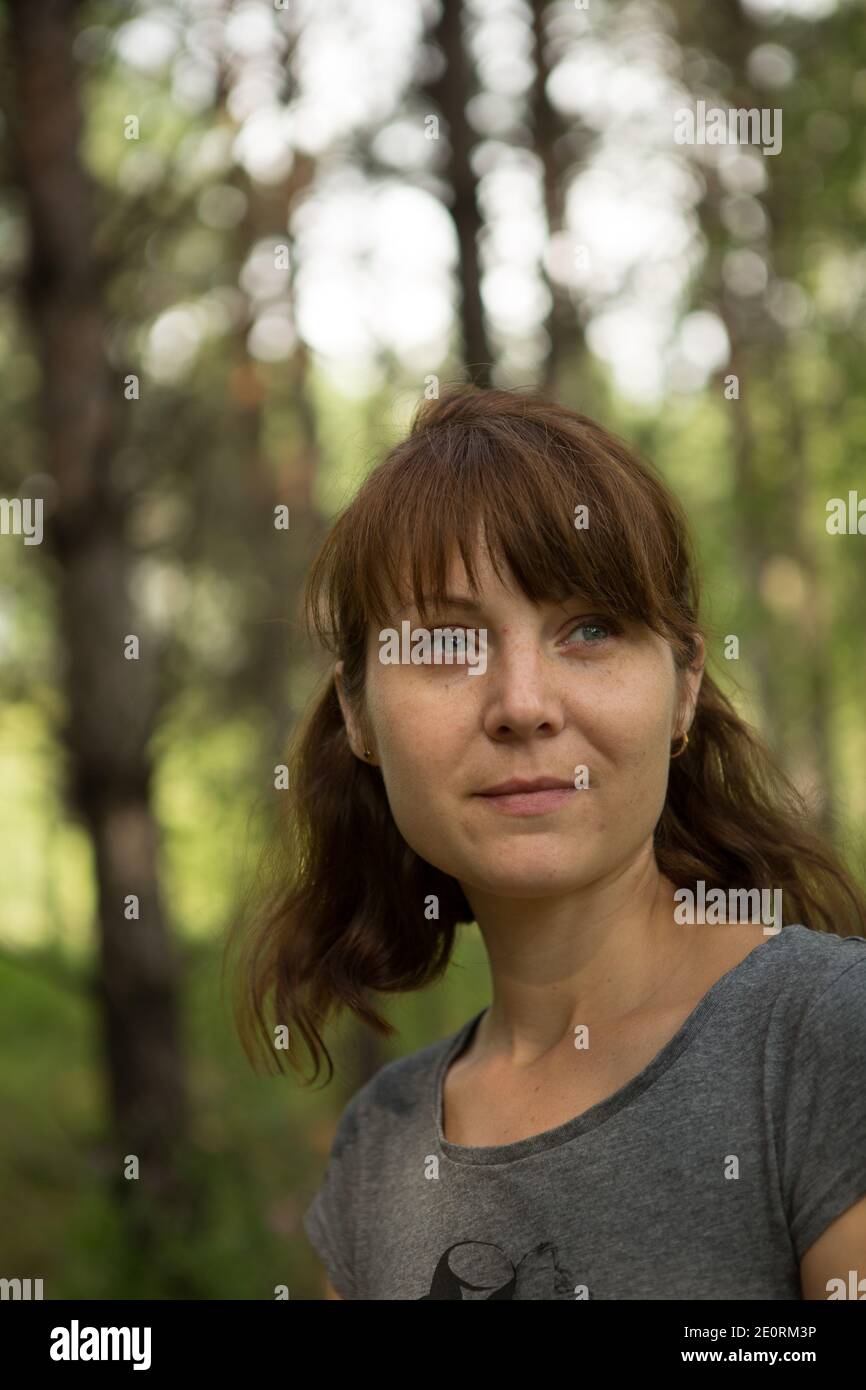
(519, 784)
(528, 799)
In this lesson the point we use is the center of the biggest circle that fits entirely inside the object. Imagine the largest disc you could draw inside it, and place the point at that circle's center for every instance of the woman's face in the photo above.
(565, 687)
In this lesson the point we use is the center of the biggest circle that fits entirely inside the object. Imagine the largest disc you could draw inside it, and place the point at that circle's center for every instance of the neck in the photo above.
(591, 957)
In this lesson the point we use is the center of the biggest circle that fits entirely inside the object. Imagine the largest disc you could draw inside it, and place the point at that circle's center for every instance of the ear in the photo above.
(354, 732)
(692, 679)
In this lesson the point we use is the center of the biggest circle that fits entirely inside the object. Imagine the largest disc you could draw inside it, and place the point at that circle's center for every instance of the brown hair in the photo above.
(344, 918)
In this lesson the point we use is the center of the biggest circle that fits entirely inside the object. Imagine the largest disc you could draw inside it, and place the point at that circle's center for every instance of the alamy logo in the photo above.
(738, 126)
(101, 1344)
(855, 1288)
(22, 516)
(736, 905)
(449, 646)
(21, 1288)
(850, 521)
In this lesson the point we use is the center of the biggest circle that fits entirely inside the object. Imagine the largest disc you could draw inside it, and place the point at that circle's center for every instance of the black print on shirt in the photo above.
(481, 1269)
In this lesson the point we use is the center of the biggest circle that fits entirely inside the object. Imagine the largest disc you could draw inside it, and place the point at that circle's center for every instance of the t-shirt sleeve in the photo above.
(824, 1167)
(331, 1220)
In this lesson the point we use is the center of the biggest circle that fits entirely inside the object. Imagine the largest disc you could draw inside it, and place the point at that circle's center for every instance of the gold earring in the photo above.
(683, 748)
(367, 753)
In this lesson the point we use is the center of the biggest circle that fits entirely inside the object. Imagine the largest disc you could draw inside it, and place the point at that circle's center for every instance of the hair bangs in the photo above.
(557, 514)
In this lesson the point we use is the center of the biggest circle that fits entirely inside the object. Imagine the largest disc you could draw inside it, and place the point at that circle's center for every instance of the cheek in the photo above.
(417, 754)
(422, 754)
(416, 795)
(632, 736)
(421, 718)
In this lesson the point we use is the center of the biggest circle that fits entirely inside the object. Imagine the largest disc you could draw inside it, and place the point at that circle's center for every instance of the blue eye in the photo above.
(607, 628)
(449, 644)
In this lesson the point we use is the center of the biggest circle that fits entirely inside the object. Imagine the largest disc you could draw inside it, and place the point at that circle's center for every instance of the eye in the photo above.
(606, 627)
(446, 639)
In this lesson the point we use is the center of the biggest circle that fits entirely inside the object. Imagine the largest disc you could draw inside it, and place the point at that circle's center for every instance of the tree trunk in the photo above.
(565, 334)
(451, 91)
(110, 700)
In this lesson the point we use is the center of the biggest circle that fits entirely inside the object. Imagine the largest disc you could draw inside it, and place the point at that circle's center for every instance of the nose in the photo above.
(522, 693)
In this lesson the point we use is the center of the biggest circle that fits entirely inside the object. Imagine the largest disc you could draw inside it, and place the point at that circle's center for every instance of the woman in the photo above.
(666, 1097)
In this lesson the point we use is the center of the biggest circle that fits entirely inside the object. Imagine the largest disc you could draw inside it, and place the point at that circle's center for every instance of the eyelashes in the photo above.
(609, 626)
(606, 624)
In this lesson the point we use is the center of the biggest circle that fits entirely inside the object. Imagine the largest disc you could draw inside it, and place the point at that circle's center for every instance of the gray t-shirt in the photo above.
(708, 1175)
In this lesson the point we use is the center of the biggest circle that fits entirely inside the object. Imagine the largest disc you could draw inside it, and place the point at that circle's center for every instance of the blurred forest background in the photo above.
(238, 242)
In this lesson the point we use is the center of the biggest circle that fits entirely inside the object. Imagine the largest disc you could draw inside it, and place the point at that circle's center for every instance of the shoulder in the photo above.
(821, 970)
(835, 1001)
(799, 992)
(807, 943)
(784, 978)
(399, 1087)
(819, 1061)
(818, 1014)
(795, 964)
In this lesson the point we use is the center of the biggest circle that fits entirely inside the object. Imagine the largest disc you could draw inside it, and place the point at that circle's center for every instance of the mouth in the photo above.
(523, 798)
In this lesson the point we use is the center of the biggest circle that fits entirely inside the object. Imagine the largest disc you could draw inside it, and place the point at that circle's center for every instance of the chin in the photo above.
(535, 882)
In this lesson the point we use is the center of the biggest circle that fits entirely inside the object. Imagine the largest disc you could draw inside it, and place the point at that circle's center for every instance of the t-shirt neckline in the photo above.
(596, 1114)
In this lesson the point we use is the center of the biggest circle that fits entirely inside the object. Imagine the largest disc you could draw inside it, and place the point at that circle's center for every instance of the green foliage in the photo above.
(204, 456)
